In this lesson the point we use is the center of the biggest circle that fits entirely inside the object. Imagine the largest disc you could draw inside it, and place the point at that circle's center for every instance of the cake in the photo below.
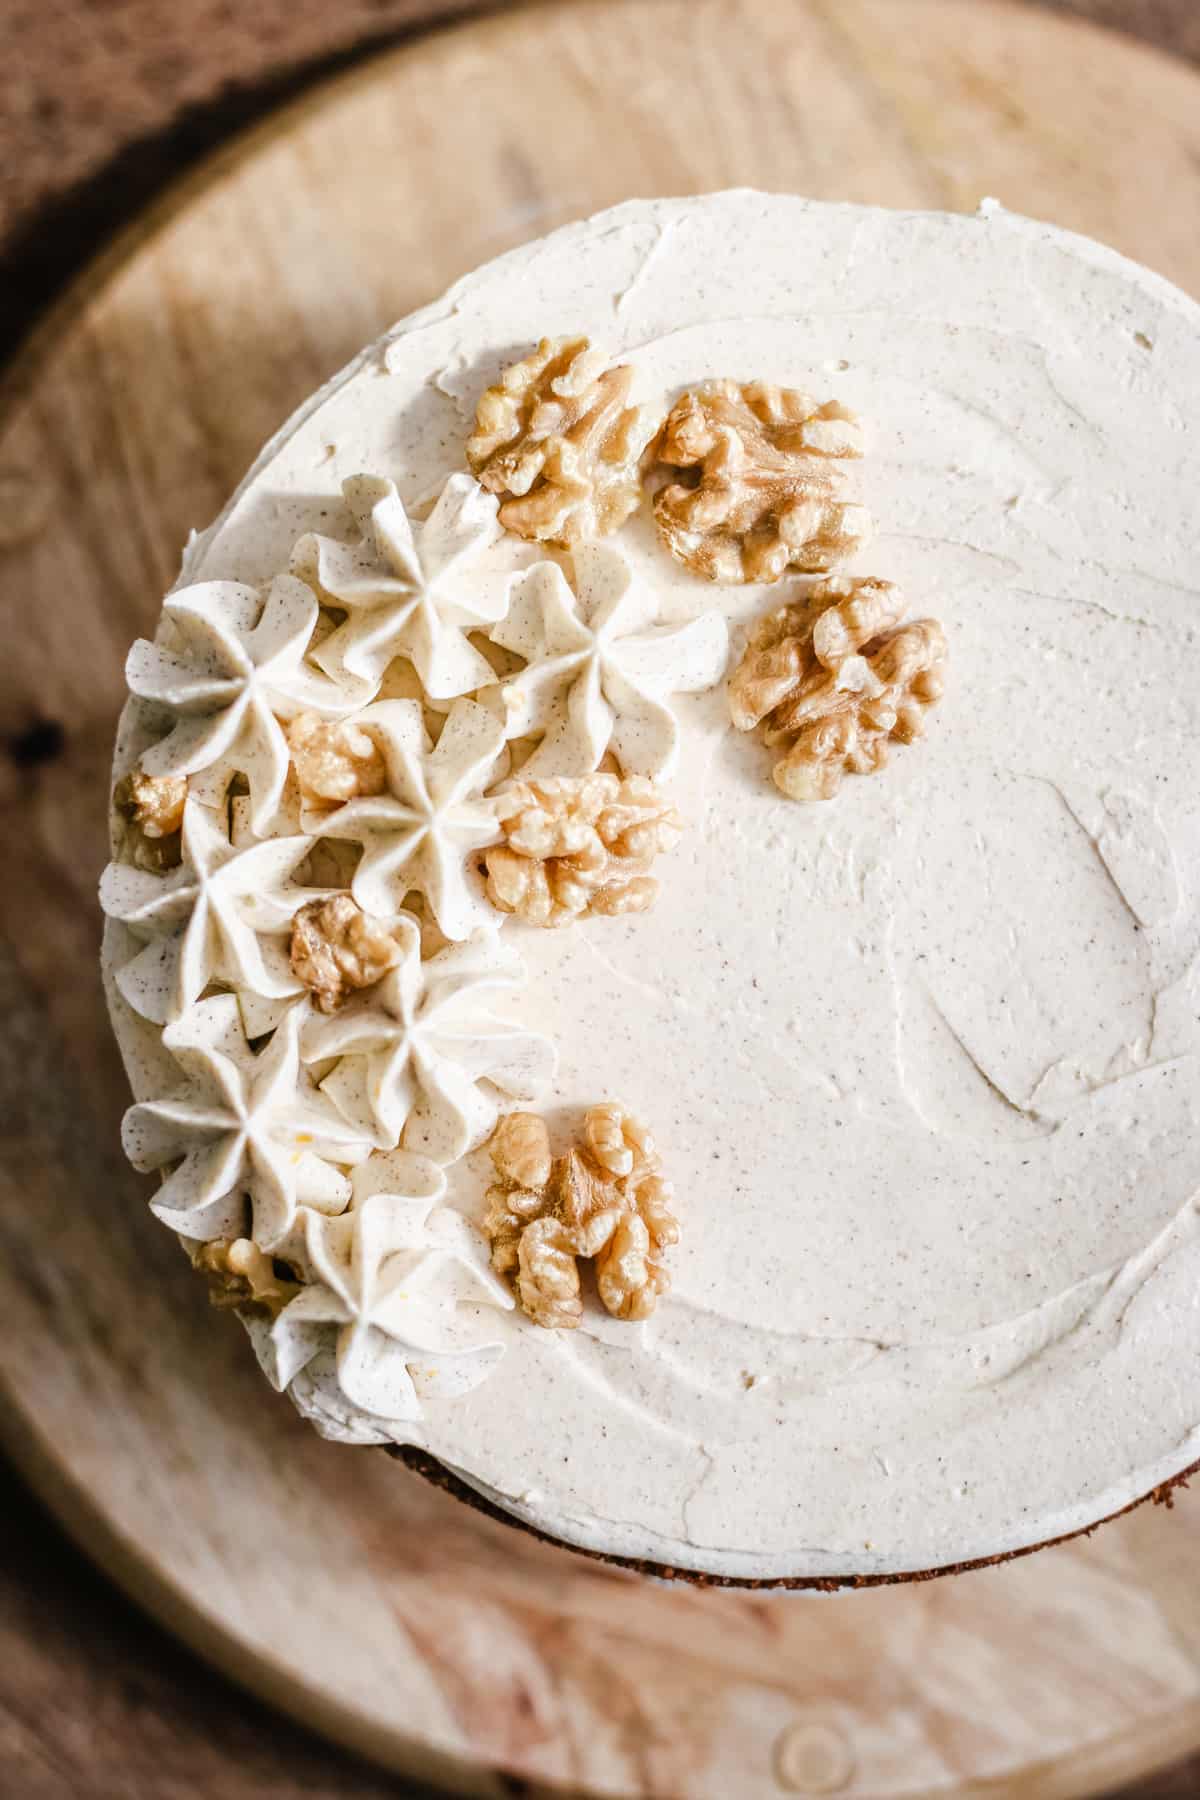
(653, 921)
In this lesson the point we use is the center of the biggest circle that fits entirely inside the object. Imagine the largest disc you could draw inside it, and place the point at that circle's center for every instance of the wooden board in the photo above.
(329, 1580)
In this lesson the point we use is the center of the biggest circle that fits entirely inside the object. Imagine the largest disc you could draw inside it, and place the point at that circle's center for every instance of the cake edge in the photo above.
(988, 216)
(429, 1469)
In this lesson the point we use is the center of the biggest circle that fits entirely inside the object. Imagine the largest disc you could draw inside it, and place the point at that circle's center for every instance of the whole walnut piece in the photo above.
(241, 1275)
(555, 439)
(334, 760)
(151, 807)
(836, 678)
(605, 1199)
(337, 948)
(575, 847)
(759, 482)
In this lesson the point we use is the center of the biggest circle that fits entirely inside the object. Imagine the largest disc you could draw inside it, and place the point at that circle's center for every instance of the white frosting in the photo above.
(405, 588)
(420, 1058)
(396, 1275)
(242, 1124)
(229, 668)
(221, 916)
(598, 668)
(420, 835)
(922, 1063)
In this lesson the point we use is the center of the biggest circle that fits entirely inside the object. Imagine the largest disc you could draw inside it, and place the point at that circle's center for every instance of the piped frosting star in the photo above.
(598, 670)
(244, 1126)
(234, 668)
(420, 1058)
(409, 589)
(420, 835)
(390, 1276)
(221, 916)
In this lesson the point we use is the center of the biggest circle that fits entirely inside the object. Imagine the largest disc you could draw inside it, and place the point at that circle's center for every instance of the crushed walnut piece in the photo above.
(757, 482)
(334, 761)
(574, 847)
(151, 807)
(606, 1200)
(836, 677)
(241, 1275)
(555, 439)
(336, 948)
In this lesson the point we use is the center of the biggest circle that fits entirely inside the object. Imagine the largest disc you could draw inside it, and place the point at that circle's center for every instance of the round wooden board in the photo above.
(332, 1581)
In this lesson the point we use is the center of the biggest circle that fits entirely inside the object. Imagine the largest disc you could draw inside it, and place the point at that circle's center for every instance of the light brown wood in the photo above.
(342, 1587)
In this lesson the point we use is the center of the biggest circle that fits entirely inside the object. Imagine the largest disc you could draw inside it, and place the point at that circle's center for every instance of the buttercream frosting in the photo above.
(922, 1063)
(243, 1122)
(404, 587)
(229, 668)
(419, 835)
(419, 1057)
(395, 1274)
(597, 668)
(221, 916)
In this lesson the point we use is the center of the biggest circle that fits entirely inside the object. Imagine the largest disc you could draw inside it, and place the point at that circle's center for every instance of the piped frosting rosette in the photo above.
(325, 753)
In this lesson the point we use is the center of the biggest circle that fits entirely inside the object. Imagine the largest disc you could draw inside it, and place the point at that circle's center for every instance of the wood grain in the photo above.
(95, 1704)
(349, 1592)
(85, 81)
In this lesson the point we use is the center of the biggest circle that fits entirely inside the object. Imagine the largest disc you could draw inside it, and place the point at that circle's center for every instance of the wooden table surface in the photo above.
(103, 105)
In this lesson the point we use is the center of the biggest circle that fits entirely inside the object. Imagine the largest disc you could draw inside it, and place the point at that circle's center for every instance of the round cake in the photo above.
(653, 923)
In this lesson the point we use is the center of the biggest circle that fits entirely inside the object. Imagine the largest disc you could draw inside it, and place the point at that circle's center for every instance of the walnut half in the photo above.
(336, 948)
(605, 1199)
(758, 482)
(555, 439)
(836, 677)
(576, 847)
